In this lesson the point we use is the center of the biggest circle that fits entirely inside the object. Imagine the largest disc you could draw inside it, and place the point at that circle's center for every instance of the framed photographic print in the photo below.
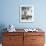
(26, 13)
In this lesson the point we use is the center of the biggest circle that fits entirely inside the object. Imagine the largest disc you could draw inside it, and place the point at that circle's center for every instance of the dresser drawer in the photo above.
(37, 39)
(13, 33)
(13, 44)
(34, 33)
(37, 44)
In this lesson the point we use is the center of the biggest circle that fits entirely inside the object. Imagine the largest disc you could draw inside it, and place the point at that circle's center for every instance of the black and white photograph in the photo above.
(26, 13)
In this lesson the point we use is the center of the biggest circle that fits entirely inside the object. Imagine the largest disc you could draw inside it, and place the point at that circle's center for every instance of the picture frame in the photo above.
(26, 13)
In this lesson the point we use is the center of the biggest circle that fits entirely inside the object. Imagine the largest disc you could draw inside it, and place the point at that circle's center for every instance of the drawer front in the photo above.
(13, 33)
(37, 45)
(37, 39)
(34, 33)
(12, 44)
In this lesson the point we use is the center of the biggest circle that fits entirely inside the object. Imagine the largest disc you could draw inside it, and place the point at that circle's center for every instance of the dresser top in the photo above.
(22, 30)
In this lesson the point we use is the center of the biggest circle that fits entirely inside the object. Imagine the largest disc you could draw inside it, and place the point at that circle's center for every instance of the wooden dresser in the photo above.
(23, 38)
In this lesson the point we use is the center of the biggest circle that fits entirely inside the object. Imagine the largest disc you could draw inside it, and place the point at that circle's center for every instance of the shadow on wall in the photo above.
(2, 26)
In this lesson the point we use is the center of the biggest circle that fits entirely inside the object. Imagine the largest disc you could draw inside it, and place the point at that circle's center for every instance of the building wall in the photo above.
(10, 13)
